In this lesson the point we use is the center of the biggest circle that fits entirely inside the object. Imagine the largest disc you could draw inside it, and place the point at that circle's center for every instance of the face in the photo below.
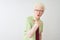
(38, 11)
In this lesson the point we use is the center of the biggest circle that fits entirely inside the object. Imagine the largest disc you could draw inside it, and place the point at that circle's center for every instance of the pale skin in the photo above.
(38, 11)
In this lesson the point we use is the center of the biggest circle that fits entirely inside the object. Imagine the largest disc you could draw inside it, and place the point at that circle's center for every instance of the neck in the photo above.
(37, 19)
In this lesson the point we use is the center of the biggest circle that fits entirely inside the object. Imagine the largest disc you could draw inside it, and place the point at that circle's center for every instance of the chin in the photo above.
(38, 17)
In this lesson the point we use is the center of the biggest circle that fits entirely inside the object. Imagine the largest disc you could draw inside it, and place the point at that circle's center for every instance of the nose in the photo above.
(38, 12)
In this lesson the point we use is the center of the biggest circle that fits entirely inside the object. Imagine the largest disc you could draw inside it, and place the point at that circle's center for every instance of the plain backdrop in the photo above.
(14, 12)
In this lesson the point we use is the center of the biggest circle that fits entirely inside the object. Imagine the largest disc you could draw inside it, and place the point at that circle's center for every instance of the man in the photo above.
(34, 25)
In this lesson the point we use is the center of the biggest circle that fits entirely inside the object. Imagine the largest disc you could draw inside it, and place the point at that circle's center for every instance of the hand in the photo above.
(29, 34)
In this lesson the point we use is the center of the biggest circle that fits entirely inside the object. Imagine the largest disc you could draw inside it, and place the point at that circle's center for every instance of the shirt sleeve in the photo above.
(27, 28)
(41, 27)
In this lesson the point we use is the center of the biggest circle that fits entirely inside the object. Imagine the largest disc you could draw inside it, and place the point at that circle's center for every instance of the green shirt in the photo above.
(29, 24)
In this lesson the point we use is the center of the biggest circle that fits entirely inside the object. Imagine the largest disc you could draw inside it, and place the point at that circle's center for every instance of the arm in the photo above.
(34, 28)
(31, 32)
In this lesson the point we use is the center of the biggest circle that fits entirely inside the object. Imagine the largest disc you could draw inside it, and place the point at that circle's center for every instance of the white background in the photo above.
(14, 12)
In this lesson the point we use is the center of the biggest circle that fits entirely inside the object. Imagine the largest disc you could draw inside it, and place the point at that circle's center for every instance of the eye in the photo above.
(41, 10)
(36, 10)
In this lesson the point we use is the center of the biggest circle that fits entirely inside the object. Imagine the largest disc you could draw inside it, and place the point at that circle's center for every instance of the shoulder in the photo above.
(29, 18)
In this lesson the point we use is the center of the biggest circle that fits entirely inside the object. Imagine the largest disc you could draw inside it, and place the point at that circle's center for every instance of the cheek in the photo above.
(36, 12)
(41, 13)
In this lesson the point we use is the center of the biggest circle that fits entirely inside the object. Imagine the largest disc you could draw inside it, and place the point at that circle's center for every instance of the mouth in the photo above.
(38, 15)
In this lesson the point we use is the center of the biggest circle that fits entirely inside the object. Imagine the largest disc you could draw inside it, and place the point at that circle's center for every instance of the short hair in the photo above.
(39, 4)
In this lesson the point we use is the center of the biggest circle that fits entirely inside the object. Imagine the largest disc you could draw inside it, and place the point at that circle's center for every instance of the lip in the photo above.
(38, 15)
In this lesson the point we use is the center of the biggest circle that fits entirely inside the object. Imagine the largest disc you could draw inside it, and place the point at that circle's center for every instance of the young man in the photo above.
(34, 25)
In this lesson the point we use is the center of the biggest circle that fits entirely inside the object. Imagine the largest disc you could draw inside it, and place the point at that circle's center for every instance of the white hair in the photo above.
(40, 5)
